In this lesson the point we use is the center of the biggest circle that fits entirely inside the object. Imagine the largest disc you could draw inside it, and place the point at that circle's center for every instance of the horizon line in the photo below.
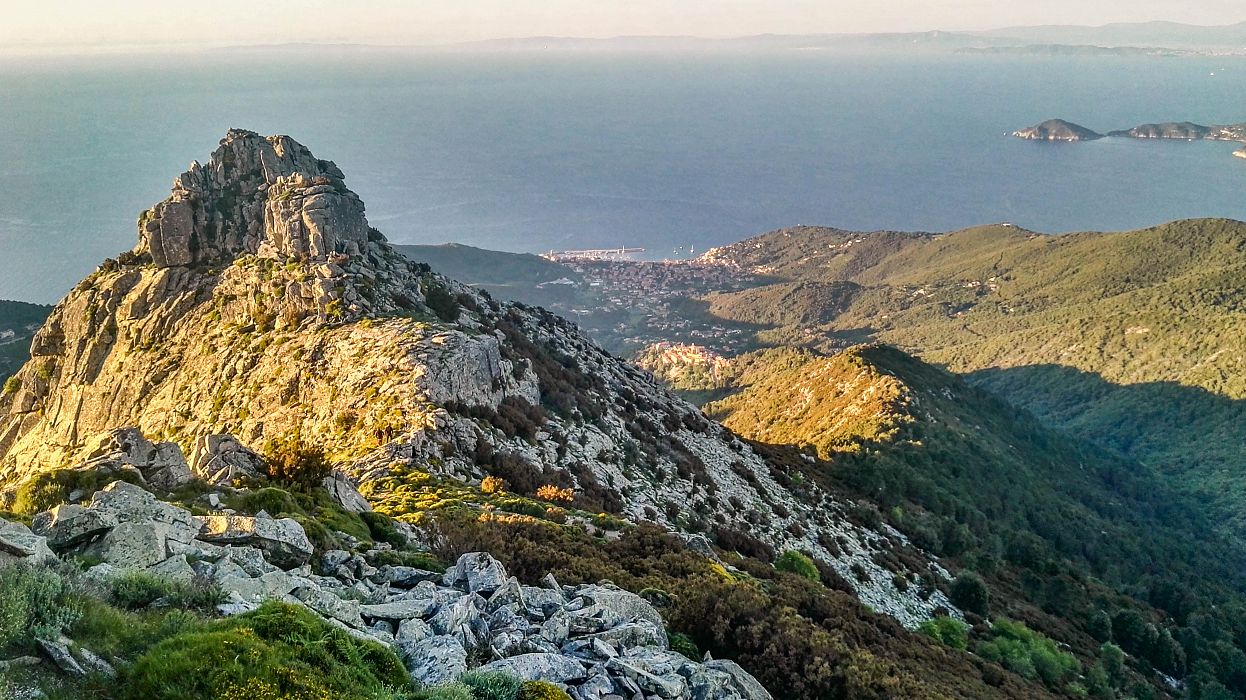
(450, 44)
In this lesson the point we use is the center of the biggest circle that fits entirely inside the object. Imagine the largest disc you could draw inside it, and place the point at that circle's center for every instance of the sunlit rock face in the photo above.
(264, 195)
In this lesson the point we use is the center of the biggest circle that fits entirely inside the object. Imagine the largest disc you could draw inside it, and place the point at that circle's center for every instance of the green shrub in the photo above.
(37, 602)
(948, 630)
(382, 529)
(112, 632)
(492, 685)
(969, 593)
(683, 644)
(799, 564)
(134, 590)
(11, 385)
(440, 301)
(48, 489)
(445, 691)
(542, 690)
(292, 461)
(1028, 654)
(277, 502)
(278, 651)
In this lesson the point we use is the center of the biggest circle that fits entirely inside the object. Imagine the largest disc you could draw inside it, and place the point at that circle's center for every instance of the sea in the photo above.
(674, 153)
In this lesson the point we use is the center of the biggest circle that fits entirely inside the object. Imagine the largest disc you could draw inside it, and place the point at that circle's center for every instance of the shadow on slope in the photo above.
(1189, 434)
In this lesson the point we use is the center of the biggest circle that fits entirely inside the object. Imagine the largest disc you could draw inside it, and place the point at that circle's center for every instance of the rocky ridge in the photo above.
(260, 307)
(597, 641)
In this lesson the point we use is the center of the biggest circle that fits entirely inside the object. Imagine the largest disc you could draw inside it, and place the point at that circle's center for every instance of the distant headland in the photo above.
(1066, 131)
(1057, 130)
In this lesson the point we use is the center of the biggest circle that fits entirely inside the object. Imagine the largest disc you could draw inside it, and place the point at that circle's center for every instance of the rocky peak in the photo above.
(264, 195)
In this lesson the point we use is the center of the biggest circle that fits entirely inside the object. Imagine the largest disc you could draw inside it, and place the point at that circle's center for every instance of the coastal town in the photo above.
(629, 305)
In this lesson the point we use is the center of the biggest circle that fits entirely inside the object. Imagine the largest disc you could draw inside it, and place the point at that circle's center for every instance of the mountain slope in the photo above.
(261, 310)
(1063, 530)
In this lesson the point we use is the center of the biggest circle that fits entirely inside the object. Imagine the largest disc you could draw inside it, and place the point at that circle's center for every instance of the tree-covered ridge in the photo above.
(1136, 340)
(1066, 534)
(1153, 304)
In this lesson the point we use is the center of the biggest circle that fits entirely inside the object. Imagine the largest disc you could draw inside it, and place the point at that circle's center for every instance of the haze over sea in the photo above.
(540, 151)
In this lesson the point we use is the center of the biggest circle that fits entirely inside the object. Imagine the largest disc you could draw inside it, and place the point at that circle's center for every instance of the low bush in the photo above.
(969, 592)
(683, 644)
(296, 463)
(36, 602)
(444, 691)
(278, 651)
(440, 301)
(492, 685)
(48, 489)
(1028, 654)
(134, 590)
(276, 502)
(382, 529)
(948, 630)
(542, 690)
(794, 562)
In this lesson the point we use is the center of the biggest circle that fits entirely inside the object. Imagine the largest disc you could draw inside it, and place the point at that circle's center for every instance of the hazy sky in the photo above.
(80, 22)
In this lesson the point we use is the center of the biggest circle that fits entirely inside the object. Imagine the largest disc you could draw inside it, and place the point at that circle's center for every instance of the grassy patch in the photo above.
(278, 651)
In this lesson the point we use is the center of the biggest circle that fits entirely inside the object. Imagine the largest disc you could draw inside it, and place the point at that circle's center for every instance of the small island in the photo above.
(1057, 130)
(1061, 130)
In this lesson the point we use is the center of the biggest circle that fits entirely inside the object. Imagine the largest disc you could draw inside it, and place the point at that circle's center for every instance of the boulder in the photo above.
(175, 568)
(640, 633)
(611, 599)
(412, 608)
(162, 465)
(476, 572)
(509, 595)
(540, 667)
(283, 540)
(653, 674)
(344, 493)
(18, 543)
(434, 660)
(222, 459)
(128, 503)
(413, 630)
(462, 619)
(331, 606)
(742, 682)
(542, 602)
(168, 470)
(58, 653)
(132, 545)
(404, 576)
(93, 663)
(68, 525)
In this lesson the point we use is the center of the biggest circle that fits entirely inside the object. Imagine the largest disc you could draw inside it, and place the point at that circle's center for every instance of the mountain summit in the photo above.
(266, 196)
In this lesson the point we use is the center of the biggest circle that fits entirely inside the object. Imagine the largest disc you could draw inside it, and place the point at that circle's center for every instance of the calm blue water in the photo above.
(521, 152)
